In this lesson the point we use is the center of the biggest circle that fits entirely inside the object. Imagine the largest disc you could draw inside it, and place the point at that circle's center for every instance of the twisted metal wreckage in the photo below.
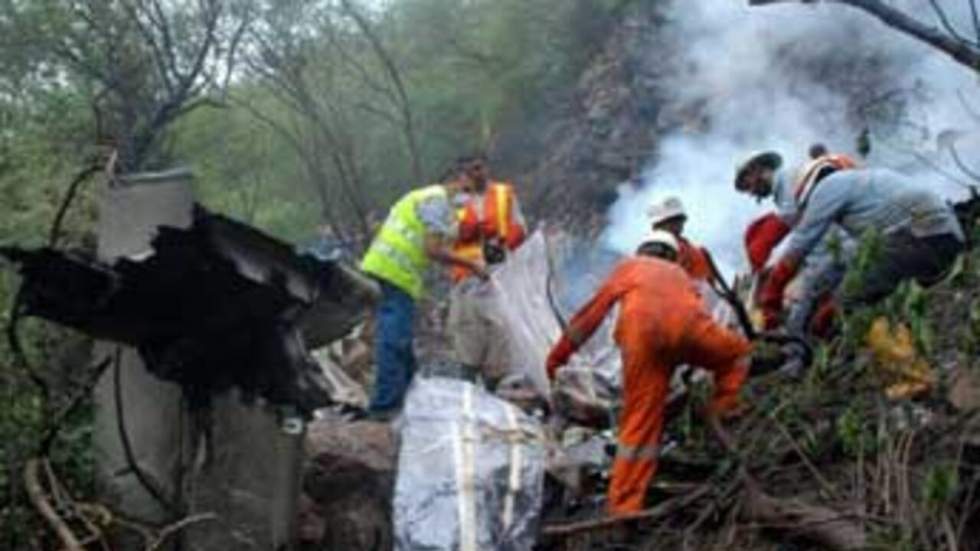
(227, 313)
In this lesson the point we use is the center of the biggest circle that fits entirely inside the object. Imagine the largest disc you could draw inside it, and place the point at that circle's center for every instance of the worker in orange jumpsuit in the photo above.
(491, 226)
(669, 216)
(662, 324)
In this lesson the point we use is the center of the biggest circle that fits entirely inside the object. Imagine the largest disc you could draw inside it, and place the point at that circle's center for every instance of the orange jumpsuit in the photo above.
(694, 260)
(661, 325)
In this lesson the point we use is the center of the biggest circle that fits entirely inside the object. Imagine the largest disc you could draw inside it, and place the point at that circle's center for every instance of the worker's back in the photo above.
(657, 298)
(879, 199)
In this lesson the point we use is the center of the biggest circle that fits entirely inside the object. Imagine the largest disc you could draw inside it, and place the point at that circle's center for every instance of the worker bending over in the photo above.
(420, 228)
(490, 227)
(762, 176)
(662, 324)
(918, 235)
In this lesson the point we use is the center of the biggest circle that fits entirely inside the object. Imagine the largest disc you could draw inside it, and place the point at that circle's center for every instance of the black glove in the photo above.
(494, 252)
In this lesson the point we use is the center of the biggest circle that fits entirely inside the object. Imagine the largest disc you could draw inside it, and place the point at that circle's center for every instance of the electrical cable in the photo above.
(141, 475)
(549, 292)
(728, 294)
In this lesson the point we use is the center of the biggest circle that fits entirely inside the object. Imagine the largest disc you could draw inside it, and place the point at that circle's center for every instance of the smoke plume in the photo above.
(781, 78)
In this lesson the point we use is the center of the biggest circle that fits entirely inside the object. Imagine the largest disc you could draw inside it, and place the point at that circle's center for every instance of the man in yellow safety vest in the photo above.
(420, 229)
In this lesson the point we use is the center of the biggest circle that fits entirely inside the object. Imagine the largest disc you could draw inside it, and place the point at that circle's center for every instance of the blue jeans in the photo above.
(394, 357)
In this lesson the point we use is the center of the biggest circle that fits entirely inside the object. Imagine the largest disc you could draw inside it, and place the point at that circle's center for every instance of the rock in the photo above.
(964, 390)
(350, 478)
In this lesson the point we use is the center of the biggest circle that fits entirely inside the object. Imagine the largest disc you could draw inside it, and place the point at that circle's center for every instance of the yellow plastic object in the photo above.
(757, 319)
(907, 374)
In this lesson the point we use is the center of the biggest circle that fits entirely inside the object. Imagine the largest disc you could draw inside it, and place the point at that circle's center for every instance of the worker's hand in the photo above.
(772, 316)
(479, 269)
(771, 306)
(771, 297)
(552, 366)
(559, 355)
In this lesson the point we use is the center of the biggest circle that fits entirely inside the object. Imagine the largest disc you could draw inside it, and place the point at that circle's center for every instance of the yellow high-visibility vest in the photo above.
(397, 254)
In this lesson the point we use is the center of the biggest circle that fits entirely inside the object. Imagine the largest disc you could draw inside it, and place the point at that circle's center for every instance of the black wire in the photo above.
(728, 294)
(17, 349)
(141, 476)
(549, 293)
(13, 326)
(73, 188)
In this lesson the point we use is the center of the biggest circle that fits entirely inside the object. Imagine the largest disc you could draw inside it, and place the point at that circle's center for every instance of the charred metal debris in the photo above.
(211, 307)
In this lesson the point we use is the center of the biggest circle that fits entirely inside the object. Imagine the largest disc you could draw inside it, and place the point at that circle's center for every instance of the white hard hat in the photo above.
(663, 238)
(671, 207)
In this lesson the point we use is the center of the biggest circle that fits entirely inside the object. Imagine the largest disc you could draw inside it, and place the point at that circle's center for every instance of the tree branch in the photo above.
(944, 21)
(962, 165)
(36, 494)
(395, 75)
(976, 19)
(961, 51)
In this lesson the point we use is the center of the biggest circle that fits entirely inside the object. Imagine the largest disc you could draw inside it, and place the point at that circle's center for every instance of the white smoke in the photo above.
(734, 64)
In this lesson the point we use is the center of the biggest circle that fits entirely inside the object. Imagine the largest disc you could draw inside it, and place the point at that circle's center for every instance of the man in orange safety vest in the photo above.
(490, 227)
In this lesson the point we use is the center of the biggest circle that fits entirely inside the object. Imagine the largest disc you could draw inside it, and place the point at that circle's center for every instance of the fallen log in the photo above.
(819, 524)
(666, 508)
(823, 525)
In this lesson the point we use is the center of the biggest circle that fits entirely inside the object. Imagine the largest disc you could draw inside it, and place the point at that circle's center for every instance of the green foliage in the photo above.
(868, 253)
(939, 487)
(910, 304)
(853, 432)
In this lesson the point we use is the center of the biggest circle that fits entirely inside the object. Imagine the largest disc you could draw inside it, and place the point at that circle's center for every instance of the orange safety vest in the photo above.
(811, 173)
(489, 217)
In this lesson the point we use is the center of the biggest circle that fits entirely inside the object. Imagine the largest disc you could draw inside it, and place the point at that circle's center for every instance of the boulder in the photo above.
(964, 390)
(349, 476)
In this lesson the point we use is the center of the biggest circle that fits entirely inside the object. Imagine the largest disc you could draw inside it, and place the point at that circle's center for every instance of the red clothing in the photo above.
(761, 238)
(661, 325)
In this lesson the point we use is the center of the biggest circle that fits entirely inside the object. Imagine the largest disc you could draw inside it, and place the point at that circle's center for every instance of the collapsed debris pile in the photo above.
(828, 460)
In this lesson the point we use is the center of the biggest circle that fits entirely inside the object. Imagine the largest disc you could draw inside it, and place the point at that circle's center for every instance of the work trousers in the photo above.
(902, 256)
(394, 356)
(646, 385)
(479, 336)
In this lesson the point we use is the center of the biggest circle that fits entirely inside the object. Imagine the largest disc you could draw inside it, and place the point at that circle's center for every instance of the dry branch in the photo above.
(961, 50)
(172, 529)
(819, 524)
(40, 501)
(666, 508)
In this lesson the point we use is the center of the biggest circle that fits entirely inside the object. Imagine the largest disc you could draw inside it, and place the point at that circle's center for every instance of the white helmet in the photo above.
(661, 237)
(671, 207)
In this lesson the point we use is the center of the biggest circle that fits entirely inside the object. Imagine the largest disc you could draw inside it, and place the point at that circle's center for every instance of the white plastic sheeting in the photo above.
(536, 284)
(470, 471)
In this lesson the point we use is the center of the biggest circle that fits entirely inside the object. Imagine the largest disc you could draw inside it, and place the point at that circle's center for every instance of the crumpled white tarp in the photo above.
(470, 471)
(555, 275)
(545, 278)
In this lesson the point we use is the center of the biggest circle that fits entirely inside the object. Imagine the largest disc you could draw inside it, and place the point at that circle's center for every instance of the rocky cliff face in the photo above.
(605, 134)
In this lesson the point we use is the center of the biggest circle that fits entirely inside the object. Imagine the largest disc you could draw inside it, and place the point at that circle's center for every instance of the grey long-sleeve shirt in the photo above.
(871, 198)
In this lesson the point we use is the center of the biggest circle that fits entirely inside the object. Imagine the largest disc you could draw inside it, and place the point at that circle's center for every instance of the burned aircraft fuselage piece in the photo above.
(215, 306)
